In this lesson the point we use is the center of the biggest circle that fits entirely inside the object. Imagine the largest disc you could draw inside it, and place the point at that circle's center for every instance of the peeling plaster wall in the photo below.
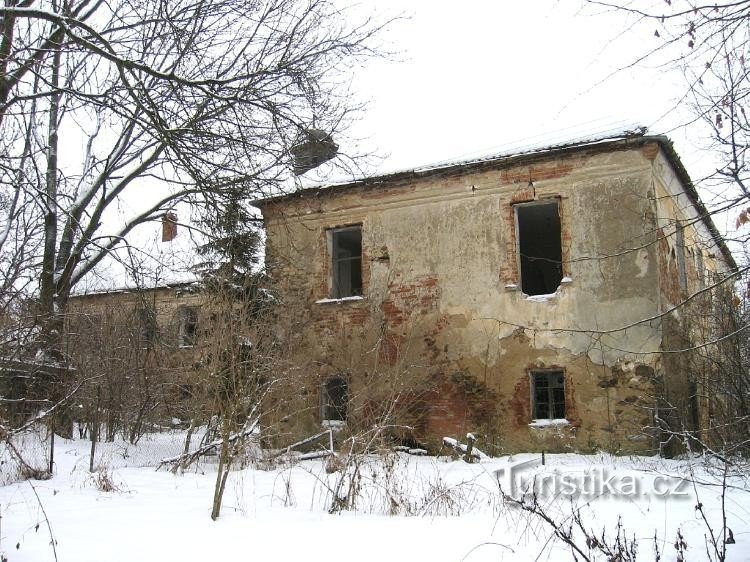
(118, 310)
(164, 301)
(689, 309)
(443, 306)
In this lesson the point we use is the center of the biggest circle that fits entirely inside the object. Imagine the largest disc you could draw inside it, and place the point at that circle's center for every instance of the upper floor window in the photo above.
(681, 265)
(147, 325)
(187, 329)
(346, 261)
(538, 233)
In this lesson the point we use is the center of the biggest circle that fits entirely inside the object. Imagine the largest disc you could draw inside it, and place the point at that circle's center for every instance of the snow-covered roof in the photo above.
(604, 141)
(504, 157)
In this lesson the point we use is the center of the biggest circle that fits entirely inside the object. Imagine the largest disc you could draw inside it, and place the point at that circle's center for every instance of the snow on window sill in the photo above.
(540, 298)
(549, 423)
(335, 425)
(342, 299)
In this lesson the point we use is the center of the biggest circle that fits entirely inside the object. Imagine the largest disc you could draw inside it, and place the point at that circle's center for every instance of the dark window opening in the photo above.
(700, 267)
(346, 262)
(681, 265)
(147, 326)
(188, 327)
(94, 326)
(548, 395)
(334, 399)
(539, 247)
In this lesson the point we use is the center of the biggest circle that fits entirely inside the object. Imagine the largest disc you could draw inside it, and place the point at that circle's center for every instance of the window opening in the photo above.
(346, 262)
(334, 399)
(548, 395)
(94, 324)
(188, 327)
(147, 325)
(681, 266)
(539, 247)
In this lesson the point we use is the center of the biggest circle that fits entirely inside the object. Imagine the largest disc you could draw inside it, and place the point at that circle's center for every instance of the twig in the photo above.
(189, 458)
(46, 521)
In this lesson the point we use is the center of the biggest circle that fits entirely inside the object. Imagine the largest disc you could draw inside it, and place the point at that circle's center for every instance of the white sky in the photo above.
(483, 76)
(486, 76)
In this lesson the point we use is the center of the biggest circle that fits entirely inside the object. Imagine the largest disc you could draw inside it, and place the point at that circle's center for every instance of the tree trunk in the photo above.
(225, 461)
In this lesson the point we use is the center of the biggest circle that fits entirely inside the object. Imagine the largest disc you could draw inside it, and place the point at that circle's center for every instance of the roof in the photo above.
(179, 285)
(608, 143)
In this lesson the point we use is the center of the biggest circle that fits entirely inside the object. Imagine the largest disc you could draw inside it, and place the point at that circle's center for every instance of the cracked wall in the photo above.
(443, 328)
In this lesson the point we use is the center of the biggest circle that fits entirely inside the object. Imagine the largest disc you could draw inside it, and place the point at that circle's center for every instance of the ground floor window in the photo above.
(548, 395)
(334, 400)
(187, 329)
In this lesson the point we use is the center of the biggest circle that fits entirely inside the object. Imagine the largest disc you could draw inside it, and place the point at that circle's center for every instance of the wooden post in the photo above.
(469, 447)
(95, 428)
(52, 446)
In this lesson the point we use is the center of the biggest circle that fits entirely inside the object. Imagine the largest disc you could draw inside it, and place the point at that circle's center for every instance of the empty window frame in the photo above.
(700, 267)
(187, 328)
(346, 261)
(538, 232)
(94, 325)
(147, 323)
(681, 264)
(334, 399)
(548, 395)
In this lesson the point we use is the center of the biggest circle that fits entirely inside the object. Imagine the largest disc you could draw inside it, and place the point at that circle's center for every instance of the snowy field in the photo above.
(400, 507)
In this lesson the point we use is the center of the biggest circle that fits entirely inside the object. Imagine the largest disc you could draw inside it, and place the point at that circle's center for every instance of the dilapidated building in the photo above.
(136, 353)
(535, 299)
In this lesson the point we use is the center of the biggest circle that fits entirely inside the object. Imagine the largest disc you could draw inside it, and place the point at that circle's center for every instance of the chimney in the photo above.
(169, 226)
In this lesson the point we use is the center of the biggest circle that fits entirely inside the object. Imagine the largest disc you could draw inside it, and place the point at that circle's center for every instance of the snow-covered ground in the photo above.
(405, 508)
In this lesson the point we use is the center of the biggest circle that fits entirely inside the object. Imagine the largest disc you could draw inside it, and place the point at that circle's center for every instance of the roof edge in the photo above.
(623, 141)
(674, 159)
(619, 142)
(136, 289)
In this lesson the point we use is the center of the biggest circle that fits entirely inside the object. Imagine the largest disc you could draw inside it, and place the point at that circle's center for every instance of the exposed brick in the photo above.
(650, 150)
(407, 298)
(538, 172)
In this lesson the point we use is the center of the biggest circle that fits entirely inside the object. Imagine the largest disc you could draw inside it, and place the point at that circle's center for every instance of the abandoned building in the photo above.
(534, 299)
(167, 314)
(139, 346)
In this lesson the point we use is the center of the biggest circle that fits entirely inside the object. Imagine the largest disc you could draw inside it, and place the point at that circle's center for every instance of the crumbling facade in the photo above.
(533, 299)
(136, 354)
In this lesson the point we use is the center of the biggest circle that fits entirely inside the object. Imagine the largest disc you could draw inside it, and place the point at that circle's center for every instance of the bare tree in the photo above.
(708, 44)
(140, 105)
(114, 113)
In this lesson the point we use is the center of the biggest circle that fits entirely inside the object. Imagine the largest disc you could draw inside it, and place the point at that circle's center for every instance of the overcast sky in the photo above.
(484, 76)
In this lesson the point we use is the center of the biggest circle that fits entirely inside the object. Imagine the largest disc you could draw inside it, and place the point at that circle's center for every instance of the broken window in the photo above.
(93, 325)
(147, 322)
(334, 400)
(548, 395)
(681, 266)
(187, 329)
(539, 246)
(346, 261)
